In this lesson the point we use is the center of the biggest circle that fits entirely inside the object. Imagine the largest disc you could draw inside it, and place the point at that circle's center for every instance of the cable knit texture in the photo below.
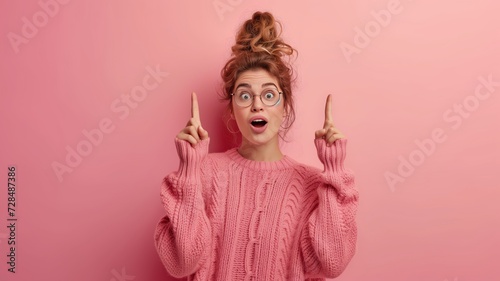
(230, 218)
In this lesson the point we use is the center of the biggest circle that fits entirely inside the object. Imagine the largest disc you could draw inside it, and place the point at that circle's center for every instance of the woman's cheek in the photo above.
(241, 125)
(277, 120)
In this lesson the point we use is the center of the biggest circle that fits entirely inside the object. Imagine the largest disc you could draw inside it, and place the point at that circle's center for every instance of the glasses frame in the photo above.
(260, 96)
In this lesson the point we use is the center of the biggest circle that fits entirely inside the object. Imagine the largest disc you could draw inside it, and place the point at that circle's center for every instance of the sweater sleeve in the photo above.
(328, 239)
(183, 235)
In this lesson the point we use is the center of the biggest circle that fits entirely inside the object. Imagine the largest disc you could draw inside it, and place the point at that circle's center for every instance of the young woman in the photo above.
(252, 213)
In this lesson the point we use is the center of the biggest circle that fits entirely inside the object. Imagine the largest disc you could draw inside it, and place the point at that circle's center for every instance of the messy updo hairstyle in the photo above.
(259, 46)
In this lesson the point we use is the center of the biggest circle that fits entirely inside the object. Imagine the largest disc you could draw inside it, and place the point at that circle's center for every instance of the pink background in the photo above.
(405, 80)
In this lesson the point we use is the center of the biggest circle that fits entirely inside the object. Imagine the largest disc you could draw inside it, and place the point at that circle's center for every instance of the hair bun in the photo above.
(260, 34)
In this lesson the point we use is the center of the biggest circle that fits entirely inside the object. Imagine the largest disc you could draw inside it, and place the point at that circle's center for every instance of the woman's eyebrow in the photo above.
(246, 85)
(269, 84)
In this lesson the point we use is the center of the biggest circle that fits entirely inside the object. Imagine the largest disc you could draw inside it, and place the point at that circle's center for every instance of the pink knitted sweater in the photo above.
(230, 218)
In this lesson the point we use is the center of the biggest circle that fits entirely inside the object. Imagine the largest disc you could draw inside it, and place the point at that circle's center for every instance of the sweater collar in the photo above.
(284, 163)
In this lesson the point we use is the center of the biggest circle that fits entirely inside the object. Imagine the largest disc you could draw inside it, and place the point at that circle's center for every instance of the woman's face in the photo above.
(258, 123)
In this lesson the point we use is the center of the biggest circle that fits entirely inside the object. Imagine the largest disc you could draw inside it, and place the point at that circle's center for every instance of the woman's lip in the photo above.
(257, 118)
(258, 130)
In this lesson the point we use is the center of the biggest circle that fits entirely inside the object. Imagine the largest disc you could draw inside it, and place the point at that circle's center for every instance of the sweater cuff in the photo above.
(332, 156)
(191, 157)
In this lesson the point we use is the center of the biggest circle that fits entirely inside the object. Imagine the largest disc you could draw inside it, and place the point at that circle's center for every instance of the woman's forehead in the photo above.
(256, 79)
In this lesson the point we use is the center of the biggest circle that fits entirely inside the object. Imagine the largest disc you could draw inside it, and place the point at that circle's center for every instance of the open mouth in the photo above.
(258, 123)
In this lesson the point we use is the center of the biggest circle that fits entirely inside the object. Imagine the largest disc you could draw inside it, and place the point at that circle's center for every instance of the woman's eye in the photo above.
(245, 96)
(269, 95)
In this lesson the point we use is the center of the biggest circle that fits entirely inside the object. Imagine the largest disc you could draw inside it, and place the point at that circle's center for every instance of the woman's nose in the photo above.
(257, 104)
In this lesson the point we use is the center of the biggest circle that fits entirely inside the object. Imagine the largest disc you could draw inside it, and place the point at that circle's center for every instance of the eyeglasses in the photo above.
(269, 97)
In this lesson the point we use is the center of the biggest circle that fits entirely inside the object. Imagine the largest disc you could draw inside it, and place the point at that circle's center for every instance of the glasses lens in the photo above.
(270, 97)
(243, 98)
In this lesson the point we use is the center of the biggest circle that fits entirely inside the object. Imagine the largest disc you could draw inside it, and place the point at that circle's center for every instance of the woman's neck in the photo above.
(269, 151)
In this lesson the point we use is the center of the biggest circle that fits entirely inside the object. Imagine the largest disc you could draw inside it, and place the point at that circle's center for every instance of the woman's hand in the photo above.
(193, 132)
(329, 132)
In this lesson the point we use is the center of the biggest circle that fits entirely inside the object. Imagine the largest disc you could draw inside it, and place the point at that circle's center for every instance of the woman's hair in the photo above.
(259, 46)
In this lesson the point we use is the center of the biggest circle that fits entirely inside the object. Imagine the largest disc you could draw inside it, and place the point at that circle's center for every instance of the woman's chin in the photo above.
(259, 139)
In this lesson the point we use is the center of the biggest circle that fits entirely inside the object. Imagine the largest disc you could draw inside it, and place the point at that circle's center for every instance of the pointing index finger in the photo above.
(195, 112)
(328, 110)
